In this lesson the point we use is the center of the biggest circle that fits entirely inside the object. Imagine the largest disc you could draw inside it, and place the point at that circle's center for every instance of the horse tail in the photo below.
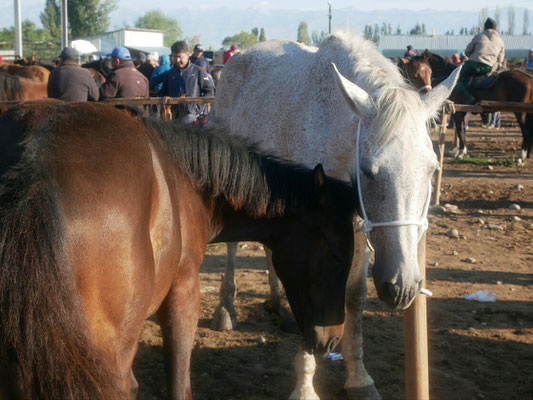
(45, 348)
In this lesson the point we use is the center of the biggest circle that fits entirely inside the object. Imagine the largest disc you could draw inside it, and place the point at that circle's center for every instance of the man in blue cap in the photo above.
(69, 81)
(124, 80)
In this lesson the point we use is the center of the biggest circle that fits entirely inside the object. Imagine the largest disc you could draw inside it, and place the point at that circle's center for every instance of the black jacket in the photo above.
(72, 83)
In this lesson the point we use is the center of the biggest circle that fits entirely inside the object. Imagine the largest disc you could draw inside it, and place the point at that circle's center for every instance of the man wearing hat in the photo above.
(485, 53)
(124, 80)
(185, 79)
(71, 82)
(199, 59)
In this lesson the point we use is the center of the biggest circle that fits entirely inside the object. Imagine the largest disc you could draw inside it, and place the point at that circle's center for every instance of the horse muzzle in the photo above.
(396, 296)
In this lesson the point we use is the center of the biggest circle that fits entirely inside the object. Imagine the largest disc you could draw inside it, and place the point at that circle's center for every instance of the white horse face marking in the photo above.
(394, 180)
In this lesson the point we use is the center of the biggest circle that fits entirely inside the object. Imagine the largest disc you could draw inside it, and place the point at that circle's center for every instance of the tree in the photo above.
(525, 28)
(510, 15)
(255, 31)
(86, 17)
(303, 36)
(262, 36)
(242, 40)
(51, 19)
(398, 30)
(317, 38)
(30, 33)
(367, 33)
(156, 19)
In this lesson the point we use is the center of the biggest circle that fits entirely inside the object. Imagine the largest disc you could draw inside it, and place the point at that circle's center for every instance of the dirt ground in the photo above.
(477, 350)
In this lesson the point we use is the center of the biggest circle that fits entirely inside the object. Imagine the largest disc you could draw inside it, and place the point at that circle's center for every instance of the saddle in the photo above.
(526, 72)
(483, 82)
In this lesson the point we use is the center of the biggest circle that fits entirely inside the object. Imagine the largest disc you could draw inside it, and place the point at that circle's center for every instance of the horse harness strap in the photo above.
(368, 225)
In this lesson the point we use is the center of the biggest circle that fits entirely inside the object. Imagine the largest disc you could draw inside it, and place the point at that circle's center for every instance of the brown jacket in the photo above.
(125, 81)
(486, 47)
(72, 83)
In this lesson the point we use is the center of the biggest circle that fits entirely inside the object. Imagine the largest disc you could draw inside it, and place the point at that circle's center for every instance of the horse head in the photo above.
(313, 259)
(394, 165)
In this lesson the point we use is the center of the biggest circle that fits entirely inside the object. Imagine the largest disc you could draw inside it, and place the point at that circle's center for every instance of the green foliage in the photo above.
(156, 19)
(51, 19)
(418, 29)
(484, 162)
(30, 33)
(317, 38)
(85, 17)
(242, 40)
(262, 36)
(303, 35)
(255, 32)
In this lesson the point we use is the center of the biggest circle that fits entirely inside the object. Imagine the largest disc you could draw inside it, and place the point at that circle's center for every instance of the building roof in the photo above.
(395, 45)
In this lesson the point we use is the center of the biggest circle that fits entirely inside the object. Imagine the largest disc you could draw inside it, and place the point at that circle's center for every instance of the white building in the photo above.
(136, 40)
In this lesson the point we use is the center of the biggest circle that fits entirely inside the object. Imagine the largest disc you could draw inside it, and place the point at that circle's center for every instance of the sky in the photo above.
(32, 8)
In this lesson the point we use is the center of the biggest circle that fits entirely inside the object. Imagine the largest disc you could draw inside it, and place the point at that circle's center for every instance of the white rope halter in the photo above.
(369, 225)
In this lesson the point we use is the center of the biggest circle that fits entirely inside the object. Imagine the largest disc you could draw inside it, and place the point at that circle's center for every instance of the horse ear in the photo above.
(404, 60)
(319, 186)
(426, 54)
(433, 99)
(357, 99)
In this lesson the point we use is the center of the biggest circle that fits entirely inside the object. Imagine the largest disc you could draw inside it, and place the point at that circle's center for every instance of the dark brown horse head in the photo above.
(313, 261)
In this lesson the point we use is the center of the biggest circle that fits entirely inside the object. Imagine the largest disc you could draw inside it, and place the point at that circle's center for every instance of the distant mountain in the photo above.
(215, 25)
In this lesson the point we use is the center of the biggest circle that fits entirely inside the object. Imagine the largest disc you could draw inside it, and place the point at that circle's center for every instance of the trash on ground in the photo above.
(483, 296)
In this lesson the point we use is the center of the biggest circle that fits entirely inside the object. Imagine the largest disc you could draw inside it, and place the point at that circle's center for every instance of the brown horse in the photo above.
(513, 85)
(105, 220)
(417, 71)
(35, 73)
(16, 88)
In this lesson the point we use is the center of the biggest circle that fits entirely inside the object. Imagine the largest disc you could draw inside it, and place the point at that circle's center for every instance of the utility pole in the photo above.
(18, 30)
(64, 24)
(329, 5)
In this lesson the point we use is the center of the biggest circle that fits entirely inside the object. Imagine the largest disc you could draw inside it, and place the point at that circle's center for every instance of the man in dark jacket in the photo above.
(199, 59)
(124, 80)
(71, 82)
(186, 79)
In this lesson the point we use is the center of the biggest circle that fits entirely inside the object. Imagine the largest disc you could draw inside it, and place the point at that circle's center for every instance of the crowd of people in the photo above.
(179, 74)
(182, 74)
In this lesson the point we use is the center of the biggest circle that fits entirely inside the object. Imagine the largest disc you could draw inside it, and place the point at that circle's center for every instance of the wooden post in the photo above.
(167, 110)
(442, 141)
(416, 340)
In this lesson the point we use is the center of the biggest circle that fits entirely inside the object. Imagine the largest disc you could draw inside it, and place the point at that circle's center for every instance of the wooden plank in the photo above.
(416, 340)
(493, 106)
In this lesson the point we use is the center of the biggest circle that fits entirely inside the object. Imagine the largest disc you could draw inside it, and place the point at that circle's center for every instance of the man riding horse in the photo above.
(485, 54)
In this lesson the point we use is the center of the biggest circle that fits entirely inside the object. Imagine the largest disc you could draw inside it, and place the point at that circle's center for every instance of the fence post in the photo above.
(167, 110)
(416, 340)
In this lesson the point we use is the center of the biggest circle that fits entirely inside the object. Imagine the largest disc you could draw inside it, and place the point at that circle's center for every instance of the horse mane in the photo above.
(259, 183)
(397, 103)
(10, 88)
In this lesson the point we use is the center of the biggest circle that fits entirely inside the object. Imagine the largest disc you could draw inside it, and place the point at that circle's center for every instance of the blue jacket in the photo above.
(191, 81)
(164, 66)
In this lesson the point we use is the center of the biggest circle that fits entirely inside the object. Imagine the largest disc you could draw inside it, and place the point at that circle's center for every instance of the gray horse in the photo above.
(364, 123)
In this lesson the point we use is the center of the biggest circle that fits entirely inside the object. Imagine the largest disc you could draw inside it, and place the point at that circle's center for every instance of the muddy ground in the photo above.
(477, 350)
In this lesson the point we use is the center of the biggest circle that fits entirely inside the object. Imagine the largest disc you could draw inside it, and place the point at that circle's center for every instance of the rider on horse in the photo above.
(485, 54)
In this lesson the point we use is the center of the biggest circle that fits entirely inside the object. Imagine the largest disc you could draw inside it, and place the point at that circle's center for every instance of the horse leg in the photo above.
(525, 121)
(178, 317)
(359, 384)
(134, 386)
(459, 119)
(225, 316)
(278, 298)
(305, 366)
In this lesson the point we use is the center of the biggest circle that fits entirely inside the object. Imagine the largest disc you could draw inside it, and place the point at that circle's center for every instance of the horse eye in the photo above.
(368, 172)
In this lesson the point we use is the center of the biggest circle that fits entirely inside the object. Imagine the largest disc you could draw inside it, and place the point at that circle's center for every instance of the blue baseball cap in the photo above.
(121, 53)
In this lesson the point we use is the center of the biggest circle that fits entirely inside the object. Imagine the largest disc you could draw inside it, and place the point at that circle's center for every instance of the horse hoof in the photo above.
(222, 320)
(363, 393)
